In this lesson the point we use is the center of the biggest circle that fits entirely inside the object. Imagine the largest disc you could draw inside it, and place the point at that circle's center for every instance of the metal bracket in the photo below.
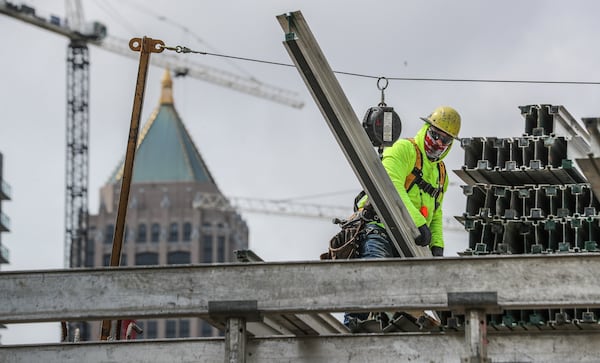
(460, 302)
(475, 306)
(246, 309)
(247, 256)
(236, 313)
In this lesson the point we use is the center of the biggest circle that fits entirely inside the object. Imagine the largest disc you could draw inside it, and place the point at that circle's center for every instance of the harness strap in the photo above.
(417, 169)
(416, 176)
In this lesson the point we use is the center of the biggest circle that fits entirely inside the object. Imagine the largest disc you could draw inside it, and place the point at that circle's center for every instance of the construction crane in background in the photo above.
(286, 207)
(215, 201)
(81, 33)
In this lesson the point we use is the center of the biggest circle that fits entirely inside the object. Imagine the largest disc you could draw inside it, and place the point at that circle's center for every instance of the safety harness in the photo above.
(416, 178)
(345, 244)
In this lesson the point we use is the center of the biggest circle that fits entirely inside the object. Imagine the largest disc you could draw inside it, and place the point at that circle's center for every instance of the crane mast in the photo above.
(77, 136)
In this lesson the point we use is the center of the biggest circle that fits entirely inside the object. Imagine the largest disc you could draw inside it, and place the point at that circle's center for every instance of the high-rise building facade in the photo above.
(4, 220)
(164, 225)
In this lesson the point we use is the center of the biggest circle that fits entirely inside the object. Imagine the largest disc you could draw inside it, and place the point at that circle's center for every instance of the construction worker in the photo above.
(421, 187)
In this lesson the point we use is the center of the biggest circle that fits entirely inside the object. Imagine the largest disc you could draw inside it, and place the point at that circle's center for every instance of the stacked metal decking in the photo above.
(542, 218)
(526, 196)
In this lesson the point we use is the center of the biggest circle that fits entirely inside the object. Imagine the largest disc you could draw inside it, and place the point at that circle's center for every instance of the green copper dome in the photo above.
(165, 150)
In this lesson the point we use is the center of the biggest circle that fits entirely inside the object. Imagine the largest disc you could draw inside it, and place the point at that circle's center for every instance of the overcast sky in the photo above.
(258, 148)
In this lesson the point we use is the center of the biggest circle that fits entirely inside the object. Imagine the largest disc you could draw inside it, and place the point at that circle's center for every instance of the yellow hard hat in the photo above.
(446, 119)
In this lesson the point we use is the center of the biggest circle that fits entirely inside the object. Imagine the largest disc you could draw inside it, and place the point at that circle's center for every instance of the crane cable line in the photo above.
(185, 50)
(182, 49)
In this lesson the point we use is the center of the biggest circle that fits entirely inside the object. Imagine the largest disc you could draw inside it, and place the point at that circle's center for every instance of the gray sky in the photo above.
(257, 148)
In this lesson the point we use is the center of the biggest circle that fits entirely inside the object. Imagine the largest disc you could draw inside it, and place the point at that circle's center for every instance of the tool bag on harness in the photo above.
(345, 244)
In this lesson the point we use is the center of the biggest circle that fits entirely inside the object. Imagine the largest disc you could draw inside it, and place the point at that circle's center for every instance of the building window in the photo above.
(84, 330)
(151, 329)
(146, 258)
(155, 232)
(171, 329)
(126, 234)
(206, 329)
(207, 248)
(89, 252)
(184, 328)
(173, 232)
(178, 258)
(187, 231)
(106, 260)
(221, 249)
(140, 325)
(109, 231)
(141, 233)
(177, 328)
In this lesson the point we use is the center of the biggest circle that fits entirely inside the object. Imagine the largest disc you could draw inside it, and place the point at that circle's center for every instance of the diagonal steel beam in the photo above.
(343, 122)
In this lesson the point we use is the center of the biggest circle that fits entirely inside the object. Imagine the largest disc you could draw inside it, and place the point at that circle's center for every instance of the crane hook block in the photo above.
(383, 125)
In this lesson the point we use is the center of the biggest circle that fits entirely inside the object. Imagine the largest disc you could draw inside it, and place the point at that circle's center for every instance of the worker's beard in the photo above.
(433, 149)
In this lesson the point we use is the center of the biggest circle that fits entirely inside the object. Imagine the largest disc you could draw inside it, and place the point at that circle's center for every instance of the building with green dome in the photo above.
(176, 214)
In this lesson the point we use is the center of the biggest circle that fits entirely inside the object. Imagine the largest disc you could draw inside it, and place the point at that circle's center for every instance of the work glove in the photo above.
(437, 251)
(425, 238)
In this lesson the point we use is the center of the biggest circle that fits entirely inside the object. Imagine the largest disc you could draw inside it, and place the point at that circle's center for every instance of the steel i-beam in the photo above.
(345, 125)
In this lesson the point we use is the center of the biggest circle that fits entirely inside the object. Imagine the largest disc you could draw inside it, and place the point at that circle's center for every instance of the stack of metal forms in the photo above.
(526, 196)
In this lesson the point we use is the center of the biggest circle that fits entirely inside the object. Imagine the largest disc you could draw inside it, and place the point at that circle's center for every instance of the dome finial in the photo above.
(166, 96)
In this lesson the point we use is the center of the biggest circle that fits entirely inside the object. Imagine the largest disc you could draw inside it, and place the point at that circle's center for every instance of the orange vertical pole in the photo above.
(145, 46)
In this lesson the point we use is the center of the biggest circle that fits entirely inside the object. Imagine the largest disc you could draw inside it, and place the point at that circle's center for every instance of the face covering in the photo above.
(434, 149)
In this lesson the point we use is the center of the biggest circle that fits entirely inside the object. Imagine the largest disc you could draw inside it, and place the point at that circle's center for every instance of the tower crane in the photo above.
(269, 206)
(81, 33)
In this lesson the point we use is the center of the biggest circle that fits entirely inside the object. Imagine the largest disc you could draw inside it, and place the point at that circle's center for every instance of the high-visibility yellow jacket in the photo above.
(399, 161)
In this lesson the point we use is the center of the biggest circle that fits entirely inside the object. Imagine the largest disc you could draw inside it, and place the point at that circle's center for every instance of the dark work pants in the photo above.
(376, 244)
